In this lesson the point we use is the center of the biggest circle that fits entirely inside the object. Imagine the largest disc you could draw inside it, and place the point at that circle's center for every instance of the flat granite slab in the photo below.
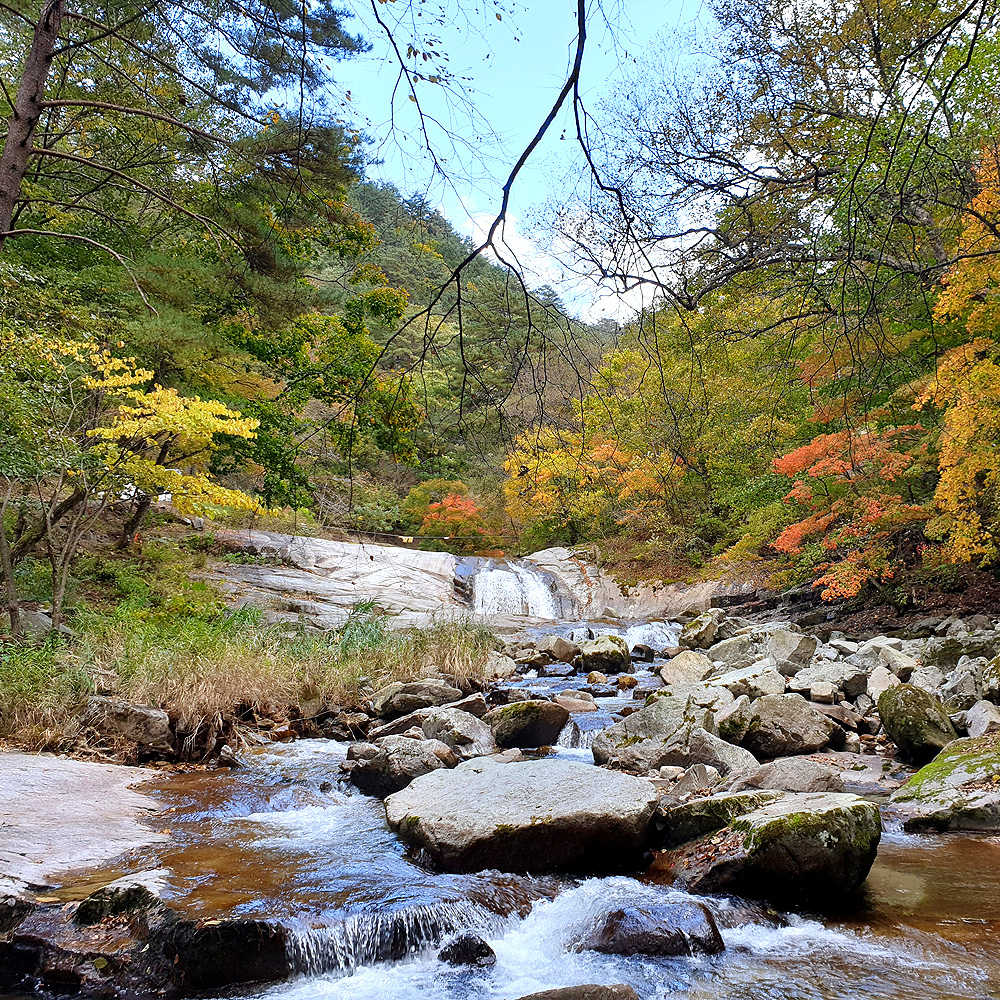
(59, 815)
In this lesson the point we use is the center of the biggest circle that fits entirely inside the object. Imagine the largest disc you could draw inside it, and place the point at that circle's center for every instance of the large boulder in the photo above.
(797, 849)
(671, 928)
(916, 722)
(538, 815)
(786, 645)
(638, 742)
(687, 667)
(958, 790)
(527, 723)
(589, 992)
(401, 698)
(462, 731)
(607, 653)
(124, 941)
(785, 724)
(700, 632)
(147, 728)
(398, 761)
(683, 823)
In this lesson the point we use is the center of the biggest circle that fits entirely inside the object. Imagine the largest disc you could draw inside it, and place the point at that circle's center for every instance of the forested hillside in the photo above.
(204, 296)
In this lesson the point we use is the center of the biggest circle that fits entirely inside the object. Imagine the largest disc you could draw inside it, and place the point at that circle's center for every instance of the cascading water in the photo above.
(513, 589)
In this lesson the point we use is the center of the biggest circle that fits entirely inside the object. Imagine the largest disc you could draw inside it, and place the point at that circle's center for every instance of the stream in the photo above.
(287, 839)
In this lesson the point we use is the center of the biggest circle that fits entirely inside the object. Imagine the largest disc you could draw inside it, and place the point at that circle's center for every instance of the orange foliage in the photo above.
(840, 482)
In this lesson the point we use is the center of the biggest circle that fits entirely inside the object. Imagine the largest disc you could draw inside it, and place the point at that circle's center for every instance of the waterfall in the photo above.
(366, 938)
(513, 589)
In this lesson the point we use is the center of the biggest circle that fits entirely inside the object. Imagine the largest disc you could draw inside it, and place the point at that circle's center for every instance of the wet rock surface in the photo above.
(126, 939)
(682, 928)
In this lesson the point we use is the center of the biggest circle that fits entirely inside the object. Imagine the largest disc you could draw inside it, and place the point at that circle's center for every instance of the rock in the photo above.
(733, 720)
(982, 718)
(683, 823)
(929, 679)
(701, 747)
(844, 675)
(618, 992)
(123, 940)
(576, 701)
(527, 723)
(558, 648)
(556, 670)
(791, 774)
(626, 682)
(596, 677)
(989, 680)
(701, 631)
(681, 928)
(463, 732)
(362, 751)
(944, 653)
(899, 663)
(607, 653)
(688, 667)
(738, 652)
(642, 653)
(147, 728)
(539, 815)
(638, 742)
(755, 681)
(698, 779)
(916, 722)
(399, 760)
(823, 692)
(797, 849)
(962, 689)
(785, 724)
(468, 949)
(881, 679)
(402, 698)
(500, 666)
(958, 790)
(37, 625)
(791, 647)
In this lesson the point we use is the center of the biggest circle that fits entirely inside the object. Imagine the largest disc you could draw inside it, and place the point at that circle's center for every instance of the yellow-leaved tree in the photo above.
(83, 430)
(966, 387)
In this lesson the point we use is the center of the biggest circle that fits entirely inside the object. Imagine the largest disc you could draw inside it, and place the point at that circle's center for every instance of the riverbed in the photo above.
(288, 840)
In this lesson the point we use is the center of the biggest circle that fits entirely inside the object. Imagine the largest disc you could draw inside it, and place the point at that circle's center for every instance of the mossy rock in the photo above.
(701, 816)
(799, 849)
(527, 724)
(958, 790)
(916, 722)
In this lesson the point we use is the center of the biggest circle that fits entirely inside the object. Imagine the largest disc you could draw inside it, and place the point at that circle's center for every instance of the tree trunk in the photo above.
(134, 523)
(10, 591)
(27, 111)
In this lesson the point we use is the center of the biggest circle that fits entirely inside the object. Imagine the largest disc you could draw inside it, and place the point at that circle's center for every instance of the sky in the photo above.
(510, 58)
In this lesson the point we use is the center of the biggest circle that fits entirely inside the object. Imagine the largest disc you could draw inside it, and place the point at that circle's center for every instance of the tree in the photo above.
(84, 430)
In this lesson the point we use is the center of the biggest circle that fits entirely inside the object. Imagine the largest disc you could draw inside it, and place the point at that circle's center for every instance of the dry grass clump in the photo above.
(199, 667)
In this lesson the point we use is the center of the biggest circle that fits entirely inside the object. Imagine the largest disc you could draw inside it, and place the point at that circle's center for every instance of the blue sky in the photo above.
(511, 68)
